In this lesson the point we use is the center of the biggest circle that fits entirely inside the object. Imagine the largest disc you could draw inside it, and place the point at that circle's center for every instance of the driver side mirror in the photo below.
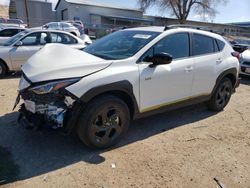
(159, 59)
(19, 43)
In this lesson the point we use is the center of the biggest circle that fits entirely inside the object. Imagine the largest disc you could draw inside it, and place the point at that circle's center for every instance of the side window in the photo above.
(31, 40)
(202, 44)
(176, 45)
(220, 44)
(56, 38)
(53, 25)
(8, 32)
(64, 38)
(45, 38)
(64, 25)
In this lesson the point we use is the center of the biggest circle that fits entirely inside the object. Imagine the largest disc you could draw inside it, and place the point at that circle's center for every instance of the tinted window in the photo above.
(176, 45)
(220, 44)
(62, 38)
(8, 32)
(202, 44)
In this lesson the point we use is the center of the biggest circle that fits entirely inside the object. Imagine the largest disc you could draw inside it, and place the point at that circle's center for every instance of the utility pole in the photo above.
(27, 12)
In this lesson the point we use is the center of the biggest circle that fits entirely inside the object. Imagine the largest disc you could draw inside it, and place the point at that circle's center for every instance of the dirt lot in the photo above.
(185, 148)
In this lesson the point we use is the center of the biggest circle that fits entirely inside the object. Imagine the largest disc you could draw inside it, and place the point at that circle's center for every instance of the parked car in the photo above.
(12, 23)
(240, 45)
(126, 75)
(86, 39)
(18, 49)
(68, 27)
(245, 63)
(78, 24)
(9, 32)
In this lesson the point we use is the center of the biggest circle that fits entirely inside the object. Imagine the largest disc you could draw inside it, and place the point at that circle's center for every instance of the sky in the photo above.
(233, 11)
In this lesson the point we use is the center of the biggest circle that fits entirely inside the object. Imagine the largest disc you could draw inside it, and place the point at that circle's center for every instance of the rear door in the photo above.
(207, 60)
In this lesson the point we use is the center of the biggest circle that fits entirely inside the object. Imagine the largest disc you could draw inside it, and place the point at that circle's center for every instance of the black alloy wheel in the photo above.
(105, 120)
(221, 96)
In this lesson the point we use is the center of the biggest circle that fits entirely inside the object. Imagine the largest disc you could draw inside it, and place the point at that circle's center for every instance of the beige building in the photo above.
(4, 11)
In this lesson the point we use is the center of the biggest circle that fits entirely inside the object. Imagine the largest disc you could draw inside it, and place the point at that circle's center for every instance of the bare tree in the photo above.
(182, 8)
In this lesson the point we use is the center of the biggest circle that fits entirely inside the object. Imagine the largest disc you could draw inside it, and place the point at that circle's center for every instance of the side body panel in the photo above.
(118, 72)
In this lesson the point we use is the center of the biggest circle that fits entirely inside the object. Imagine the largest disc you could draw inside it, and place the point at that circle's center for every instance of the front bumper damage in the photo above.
(53, 110)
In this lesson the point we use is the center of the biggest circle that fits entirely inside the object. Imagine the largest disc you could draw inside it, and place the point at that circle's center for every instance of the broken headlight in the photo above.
(53, 86)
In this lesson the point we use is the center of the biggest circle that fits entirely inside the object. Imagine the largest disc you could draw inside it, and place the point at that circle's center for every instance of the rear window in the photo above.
(62, 38)
(221, 44)
(202, 44)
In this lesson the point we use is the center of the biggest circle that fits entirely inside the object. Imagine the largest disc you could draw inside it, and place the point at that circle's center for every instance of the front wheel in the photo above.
(221, 96)
(104, 121)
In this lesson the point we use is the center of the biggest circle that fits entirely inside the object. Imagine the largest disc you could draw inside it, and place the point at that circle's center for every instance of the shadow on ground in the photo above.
(13, 75)
(245, 80)
(39, 152)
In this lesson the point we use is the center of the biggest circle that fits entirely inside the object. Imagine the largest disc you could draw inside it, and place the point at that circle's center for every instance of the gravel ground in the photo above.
(184, 148)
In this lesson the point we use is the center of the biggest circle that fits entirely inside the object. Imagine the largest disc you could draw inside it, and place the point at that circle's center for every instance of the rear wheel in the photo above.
(105, 120)
(221, 96)
(3, 69)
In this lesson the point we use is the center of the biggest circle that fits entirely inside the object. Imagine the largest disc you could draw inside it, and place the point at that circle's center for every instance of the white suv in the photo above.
(126, 75)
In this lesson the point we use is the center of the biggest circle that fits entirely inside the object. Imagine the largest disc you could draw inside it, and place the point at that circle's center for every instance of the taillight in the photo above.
(236, 54)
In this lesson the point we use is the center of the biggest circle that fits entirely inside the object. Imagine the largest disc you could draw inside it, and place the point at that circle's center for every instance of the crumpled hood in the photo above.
(246, 55)
(58, 61)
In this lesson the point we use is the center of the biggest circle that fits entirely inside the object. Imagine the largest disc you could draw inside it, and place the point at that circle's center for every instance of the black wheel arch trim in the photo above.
(126, 87)
(231, 71)
(123, 86)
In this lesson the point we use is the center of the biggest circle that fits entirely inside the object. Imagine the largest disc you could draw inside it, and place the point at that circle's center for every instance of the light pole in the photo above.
(27, 12)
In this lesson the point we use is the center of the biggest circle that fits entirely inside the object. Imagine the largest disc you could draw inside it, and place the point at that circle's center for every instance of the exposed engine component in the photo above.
(51, 107)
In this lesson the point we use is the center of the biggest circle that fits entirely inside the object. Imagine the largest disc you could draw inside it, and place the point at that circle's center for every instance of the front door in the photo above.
(30, 45)
(169, 83)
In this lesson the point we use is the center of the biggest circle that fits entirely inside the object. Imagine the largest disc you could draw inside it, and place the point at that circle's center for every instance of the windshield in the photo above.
(121, 44)
(15, 38)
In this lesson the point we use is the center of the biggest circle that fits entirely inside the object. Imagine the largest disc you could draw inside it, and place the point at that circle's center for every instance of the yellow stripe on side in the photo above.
(171, 103)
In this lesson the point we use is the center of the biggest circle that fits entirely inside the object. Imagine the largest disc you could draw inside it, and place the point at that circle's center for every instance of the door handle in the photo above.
(189, 69)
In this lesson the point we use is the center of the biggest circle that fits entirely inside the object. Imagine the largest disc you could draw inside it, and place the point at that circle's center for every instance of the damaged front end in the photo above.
(46, 104)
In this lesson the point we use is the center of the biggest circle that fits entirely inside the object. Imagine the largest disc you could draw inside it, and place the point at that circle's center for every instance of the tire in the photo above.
(221, 96)
(104, 122)
(3, 69)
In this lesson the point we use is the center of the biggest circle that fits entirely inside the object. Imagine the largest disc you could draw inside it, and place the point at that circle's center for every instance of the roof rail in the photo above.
(188, 26)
